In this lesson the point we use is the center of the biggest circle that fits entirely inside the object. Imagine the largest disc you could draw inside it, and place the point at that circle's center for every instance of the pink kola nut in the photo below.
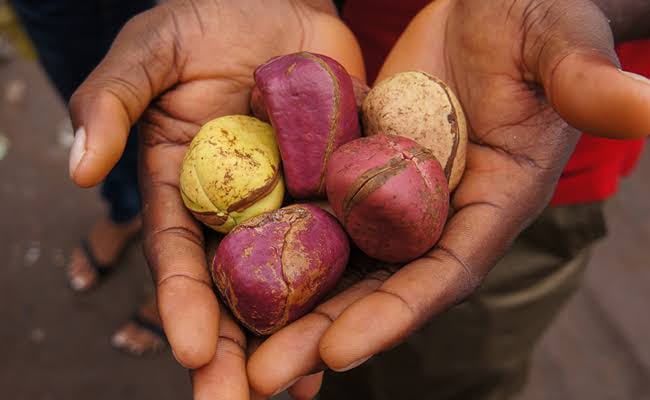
(274, 268)
(310, 101)
(391, 195)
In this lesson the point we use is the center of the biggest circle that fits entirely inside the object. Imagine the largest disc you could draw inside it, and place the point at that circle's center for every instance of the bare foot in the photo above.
(137, 336)
(106, 242)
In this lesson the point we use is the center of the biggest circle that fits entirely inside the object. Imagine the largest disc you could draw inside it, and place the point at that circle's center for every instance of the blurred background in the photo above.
(55, 344)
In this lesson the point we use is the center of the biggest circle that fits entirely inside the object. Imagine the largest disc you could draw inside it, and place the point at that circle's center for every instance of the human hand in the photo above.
(520, 69)
(174, 68)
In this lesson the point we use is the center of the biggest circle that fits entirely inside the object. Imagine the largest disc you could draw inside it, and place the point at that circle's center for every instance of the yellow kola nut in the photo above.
(231, 172)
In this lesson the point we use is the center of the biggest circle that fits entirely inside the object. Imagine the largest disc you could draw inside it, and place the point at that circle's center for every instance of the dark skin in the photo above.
(520, 69)
(174, 68)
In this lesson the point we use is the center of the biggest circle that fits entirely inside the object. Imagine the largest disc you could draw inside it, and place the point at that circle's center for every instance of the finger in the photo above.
(225, 376)
(113, 97)
(407, 54)
(292, 352)
(576, 64)
(340, 43)
(590, 93)
(173, 243)
(473, 240)
(307, 387)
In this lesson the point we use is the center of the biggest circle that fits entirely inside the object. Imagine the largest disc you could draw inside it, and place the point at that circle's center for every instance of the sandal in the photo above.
(139, 328)
(100, 270)
(85, 270)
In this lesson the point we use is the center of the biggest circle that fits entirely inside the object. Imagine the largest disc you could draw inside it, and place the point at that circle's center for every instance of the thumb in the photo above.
(577, 65)
(138, 67)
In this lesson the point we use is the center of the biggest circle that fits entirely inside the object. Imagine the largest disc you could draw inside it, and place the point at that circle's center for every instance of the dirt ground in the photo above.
(54, 344)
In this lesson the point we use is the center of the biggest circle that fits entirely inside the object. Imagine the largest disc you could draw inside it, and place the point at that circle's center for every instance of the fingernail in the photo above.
(286, 387)
(353, 365)
(78, 283)
(636, 77)
(77, 150)
(178, 360)
(119, 339)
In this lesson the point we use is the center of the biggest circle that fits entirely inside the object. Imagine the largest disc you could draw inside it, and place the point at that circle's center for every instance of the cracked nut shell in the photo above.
(275, 267)
(310, 101)
(231, 172)
(390, 194)
(421, 107)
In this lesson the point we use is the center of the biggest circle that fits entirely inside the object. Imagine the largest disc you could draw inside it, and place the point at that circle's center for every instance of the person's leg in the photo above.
(71, 37)
(480, 349)
(143, 333)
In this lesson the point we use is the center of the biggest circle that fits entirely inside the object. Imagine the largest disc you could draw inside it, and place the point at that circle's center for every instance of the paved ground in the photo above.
(599, 347)
(54, 344)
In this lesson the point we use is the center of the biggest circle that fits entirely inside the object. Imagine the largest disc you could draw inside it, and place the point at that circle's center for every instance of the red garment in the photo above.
(596, 166)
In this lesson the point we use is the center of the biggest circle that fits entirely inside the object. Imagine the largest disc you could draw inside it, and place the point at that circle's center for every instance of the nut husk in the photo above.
(274, 268)
(390, 194)
(310, 101)
(231, 172)
(421, 107)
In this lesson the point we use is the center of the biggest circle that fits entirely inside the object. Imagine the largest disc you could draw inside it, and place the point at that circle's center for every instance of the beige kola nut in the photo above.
(421, 107)
(231, 172)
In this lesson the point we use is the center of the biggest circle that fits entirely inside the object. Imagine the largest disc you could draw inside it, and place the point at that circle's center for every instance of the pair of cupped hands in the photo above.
(523, 71)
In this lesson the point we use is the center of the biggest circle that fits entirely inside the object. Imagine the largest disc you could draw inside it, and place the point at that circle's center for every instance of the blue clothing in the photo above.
(71, 37)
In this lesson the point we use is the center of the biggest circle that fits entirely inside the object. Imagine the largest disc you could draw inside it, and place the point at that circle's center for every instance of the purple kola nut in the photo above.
(258, 107)
(310, 101)
(275, 267)
(391, 195)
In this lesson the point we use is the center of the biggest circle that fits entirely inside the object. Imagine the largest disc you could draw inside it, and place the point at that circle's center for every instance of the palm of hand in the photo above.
(517, 148)
(194, 86)
(204, 88)
(174, 68)
(518, 144)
